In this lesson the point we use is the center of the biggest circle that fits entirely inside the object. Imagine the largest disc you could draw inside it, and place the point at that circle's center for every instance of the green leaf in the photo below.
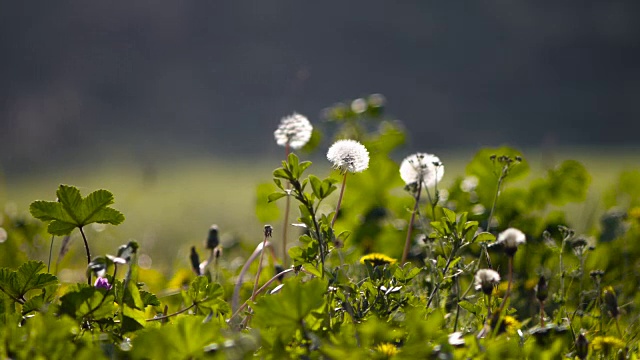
(72, 211)
(275, 196)
(132, 319)
(484, 237)
(88, 301)
(316, 186)
(449, 215)
(185, 338)
(149, 299)
(474, 309)
(285, 310)
(27, 277)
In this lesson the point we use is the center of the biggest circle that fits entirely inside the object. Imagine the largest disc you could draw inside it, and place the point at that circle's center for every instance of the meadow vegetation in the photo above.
(360, 256)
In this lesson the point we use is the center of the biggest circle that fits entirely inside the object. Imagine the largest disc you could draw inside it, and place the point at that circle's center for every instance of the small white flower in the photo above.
(511, 239)
(295, 130)
(421, 167)
(485, 279)
(348, 155)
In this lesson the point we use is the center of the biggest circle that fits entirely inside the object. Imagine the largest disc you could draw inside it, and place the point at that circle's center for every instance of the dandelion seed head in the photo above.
(486, 279)
(294, 130)
(511, 239)
(421, 167)
(348, 155)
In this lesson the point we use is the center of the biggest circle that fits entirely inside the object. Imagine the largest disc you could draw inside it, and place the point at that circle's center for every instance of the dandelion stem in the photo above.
(86, 247)
(455, 324)
(541, 314)
(407, 242)
(508, 292)
(50, 252)
(287, 206)
(267, 233)
(344, 182)
(236, 289)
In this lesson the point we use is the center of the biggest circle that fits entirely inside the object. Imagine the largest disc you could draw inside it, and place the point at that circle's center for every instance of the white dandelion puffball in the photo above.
(348, 155)
(294, 130)
(511, 239)
(485, 279)
(421, 166)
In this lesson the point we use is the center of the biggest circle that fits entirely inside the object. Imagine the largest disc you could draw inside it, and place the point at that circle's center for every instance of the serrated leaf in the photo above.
(71, 210)
(185, 338)
(149, 299)
(27, 277)
(286, 309)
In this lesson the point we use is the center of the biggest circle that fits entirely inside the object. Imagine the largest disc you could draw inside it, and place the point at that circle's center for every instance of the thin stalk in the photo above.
(407, 243)
(455, 324)
(541, 313)
(344, 182)
(174, 314)
(267, 233)
(488, 308)
(86, 247)
(285, 224)
(495, 196)
(508, 292)
(444, 272)
(50, 252)
(236, 289)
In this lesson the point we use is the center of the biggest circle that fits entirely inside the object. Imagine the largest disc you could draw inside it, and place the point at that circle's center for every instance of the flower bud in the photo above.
(195, 260)
(213, 239)
(542, 289)
(582, 347)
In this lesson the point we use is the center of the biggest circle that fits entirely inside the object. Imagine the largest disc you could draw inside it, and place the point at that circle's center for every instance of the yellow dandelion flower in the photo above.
(606, 343)
(387, 349)
(634, 213)
(377, 259)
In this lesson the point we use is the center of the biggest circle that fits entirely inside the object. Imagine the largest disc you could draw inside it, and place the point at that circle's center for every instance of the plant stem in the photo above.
(495, 197)
(236, 289)
(50, 252)
(444, 272)
(255, 284)
(407, 243)
(508, 292)
(488, 308)
(541, 313)
(455, 325)
(174, 314)
(344, 182)
(86, 247)
(285, 224)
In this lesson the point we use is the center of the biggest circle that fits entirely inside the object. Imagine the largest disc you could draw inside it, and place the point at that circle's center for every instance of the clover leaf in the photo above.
(73, 211)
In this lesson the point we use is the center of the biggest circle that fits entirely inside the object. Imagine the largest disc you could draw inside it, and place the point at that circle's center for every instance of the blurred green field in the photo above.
(170, 207)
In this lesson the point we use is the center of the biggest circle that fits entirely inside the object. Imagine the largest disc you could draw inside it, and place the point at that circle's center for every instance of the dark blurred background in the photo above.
(211, 77)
